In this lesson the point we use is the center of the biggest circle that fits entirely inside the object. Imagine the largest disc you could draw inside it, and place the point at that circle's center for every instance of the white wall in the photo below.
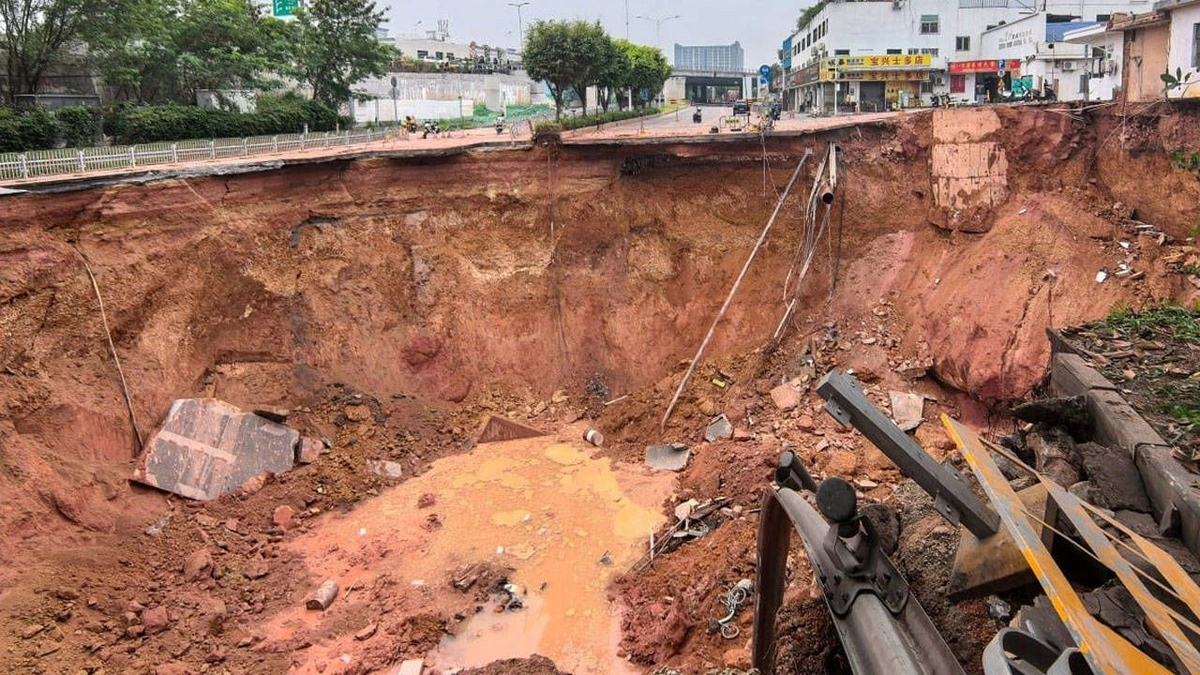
(380, 110)
(1183, 22)
(487, 89)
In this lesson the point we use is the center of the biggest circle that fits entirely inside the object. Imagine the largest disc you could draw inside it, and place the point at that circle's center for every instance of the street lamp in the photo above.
(520, 26)
(658, 26)
(417, 29)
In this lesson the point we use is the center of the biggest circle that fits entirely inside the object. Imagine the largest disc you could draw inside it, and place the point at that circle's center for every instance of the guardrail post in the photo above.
(274, 144)
(79, 156)
(212, 149)
(174, 153)
(245, 147)
(24, 165)
(133, 155)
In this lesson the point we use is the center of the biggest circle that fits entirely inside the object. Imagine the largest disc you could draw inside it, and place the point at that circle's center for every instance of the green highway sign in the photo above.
(282, 8)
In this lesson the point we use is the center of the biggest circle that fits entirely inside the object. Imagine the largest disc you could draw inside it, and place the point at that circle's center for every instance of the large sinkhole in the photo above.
(390, 304)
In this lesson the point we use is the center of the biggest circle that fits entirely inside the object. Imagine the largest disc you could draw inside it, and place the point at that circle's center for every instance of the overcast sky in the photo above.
(760, 25)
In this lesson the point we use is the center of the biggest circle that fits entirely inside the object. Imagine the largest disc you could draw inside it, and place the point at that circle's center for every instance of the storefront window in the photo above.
(958, 84)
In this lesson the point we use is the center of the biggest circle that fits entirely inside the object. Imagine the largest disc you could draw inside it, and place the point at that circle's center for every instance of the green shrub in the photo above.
(80, 125)
(33, 130)
(275, 115)
(568, 123)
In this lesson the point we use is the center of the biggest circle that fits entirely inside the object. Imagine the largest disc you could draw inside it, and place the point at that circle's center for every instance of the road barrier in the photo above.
(15, 166)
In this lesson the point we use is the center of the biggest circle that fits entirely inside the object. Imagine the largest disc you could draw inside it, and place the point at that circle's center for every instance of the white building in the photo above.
(1183, 50)
(897, 53)
(1106, 70)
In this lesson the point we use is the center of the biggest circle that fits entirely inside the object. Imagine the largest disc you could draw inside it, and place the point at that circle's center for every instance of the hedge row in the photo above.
(80, 126)
(569, 123)
(172, 123)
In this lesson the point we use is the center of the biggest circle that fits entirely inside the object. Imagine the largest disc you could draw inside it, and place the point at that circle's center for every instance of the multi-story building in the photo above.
(718, 58)
(882, 54)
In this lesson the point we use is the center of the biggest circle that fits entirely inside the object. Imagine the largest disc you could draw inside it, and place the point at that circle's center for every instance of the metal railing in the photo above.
(15, 166)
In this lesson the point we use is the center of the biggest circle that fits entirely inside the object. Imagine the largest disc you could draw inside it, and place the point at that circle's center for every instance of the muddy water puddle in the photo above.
(566, 522)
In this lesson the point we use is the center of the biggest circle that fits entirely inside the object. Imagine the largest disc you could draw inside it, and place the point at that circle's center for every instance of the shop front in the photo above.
(976, 81)
(878, 82)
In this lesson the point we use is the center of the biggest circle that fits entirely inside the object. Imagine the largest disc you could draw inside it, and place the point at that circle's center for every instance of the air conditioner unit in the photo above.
(938, 81)
(813, 51)
(1066, 66)
(1110, 67)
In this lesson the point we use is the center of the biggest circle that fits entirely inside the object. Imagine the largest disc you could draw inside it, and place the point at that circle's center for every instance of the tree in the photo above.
(616, 73)
(566, 55)
(596, 52)
(648, 69)
(338, 47)
(165, 50)
(38, 34)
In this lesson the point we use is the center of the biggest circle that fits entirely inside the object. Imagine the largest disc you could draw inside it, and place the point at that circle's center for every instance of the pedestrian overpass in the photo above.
(711, 86)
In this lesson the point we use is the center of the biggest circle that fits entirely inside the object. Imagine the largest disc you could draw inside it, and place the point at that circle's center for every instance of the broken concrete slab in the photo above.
(719, 428)
(497, 429)
(669, 457)
(1116, 482)
(908, 410)
(207, 448)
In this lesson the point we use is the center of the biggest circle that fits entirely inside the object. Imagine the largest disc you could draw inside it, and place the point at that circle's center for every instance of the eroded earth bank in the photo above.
(391, 305)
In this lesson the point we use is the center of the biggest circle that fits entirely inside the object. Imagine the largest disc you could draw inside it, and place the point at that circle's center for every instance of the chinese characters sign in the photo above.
(985, 66)
(883, 61)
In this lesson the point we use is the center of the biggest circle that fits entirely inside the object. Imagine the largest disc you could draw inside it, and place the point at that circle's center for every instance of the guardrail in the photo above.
(15, 166)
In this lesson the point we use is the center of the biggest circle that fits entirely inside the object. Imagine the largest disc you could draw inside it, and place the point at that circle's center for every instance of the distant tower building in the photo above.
(724, 58)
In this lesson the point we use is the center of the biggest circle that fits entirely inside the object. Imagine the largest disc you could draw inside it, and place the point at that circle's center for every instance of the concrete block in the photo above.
(208, 448)
(996, 564)
(1117, 423)
(1070, 375)
(1172, 488)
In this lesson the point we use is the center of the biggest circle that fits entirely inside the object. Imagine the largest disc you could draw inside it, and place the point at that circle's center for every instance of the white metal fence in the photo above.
(14, 166)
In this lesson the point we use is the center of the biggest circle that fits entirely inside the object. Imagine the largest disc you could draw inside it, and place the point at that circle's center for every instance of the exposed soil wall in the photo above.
(592, 270)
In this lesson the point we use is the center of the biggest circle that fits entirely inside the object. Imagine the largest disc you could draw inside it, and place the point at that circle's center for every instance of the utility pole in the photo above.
(520, 25)
(627, 20)
(658, 27)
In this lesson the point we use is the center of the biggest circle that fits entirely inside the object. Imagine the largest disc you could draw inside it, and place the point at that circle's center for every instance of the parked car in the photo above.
(740, 107)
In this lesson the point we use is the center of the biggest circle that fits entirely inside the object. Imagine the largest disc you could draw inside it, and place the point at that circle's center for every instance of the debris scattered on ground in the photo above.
(1160, 347)
(386, 469)
(719, 428)
(668, 457)
(497, 429)
(324, 596)
(908, 409)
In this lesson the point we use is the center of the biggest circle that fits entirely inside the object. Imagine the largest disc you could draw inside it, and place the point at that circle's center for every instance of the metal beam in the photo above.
(845, 402)
(875, 639)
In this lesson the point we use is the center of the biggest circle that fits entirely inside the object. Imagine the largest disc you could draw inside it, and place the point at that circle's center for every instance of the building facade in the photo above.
(714, 58)
(877, 55)
(1183, 48)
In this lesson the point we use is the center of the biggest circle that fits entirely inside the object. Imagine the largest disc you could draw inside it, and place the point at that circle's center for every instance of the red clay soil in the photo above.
(391, 305)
